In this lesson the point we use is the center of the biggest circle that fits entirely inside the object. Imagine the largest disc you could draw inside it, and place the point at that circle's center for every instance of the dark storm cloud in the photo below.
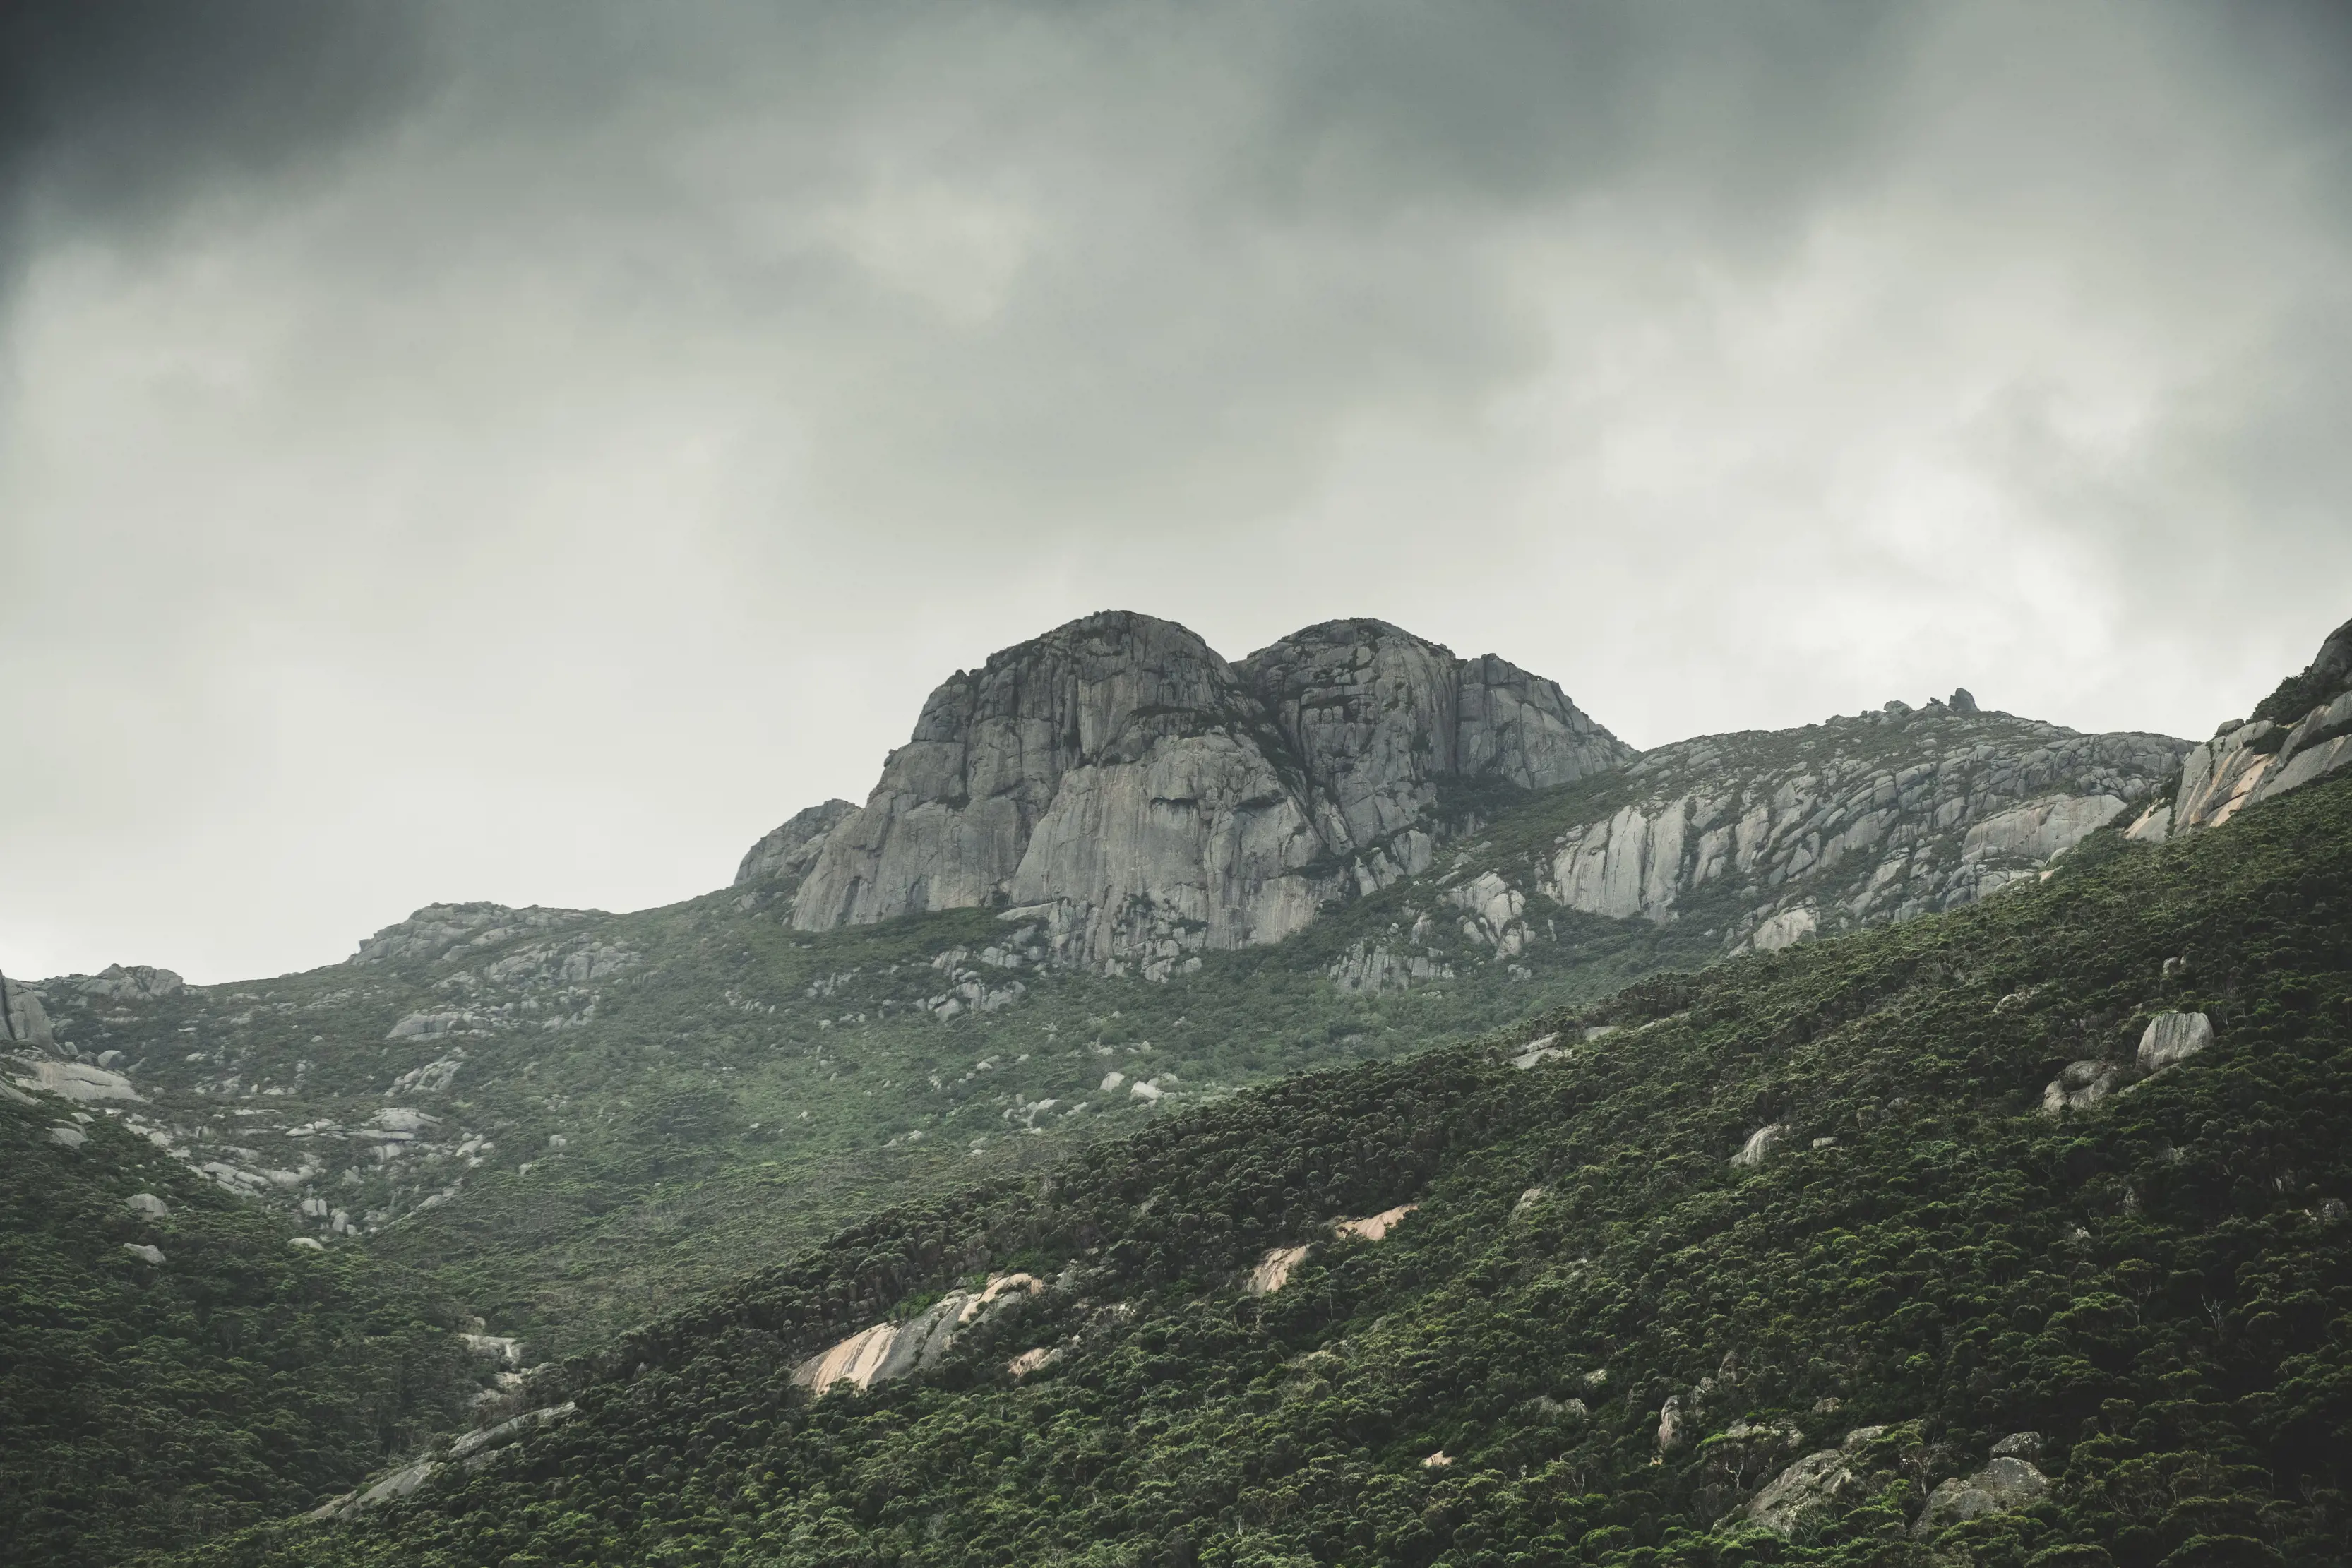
(113, 112)
(521, 450)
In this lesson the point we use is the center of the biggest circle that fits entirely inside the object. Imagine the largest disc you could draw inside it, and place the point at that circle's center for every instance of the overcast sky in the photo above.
(525, 451)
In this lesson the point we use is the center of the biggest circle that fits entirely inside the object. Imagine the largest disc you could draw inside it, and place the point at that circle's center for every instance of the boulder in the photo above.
(22, 1020)
(2006, 1484)
(148, 1204)
(66, 1137)
(1273, 1270)
(2079, 1085)
(2172, 1038)
(1817, 1480)
(77, 1081)
(306, 1243)
(1759, 1144)
(2019, 1445)
(143, 1252)
(1672, 1427)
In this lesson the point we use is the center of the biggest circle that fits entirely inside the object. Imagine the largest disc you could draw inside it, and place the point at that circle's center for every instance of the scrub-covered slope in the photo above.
(578, 1120)
(172, 1365)
(1798, 1259)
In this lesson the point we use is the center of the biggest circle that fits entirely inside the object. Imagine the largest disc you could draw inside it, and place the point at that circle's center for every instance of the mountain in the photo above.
(574, 1119)
(2009, 1234)
(565, 1123)
(1139, 801)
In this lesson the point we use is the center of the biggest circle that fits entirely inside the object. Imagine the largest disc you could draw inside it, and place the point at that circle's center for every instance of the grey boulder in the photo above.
(2172, 1038)
(2006, 1484)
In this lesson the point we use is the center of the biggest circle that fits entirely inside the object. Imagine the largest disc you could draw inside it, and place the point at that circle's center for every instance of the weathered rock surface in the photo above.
(2302, 732)
(2080, 1085)
(889, 1351)
(1379, 720)
(508, 1431)
(446, 930)
(133, 983)
(1783, 835)
(1121, 786)
(2171, 1037)
(22, 1019)
(789, 851)
(148, 1204)
(2007, 1483)
(1817, 1480)
(1273, 1271)
(144, 1253)
(76, 1081)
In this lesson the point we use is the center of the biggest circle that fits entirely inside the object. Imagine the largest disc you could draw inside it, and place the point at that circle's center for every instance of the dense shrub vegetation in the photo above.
(145, 1403)
(2161, 1285)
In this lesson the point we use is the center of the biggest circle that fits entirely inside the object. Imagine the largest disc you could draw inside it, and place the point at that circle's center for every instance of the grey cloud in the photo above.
(115, 112)
(406, 401)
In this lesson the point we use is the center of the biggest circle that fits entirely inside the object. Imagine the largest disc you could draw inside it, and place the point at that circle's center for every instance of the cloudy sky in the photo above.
(525, 451)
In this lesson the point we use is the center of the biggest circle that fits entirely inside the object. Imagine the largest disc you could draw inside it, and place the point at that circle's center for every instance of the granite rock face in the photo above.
(131, 983)
(441, 931)
(1782, 835)
(23, 1022)
(2302, 732)
(1119, 784)
(789, 851)
(1379, 720)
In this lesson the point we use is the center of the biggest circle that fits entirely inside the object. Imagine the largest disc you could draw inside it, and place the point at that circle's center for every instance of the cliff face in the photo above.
(791, 850)
(2303, 731)
(1880, 817)
(1141, 799)
(1378, 720)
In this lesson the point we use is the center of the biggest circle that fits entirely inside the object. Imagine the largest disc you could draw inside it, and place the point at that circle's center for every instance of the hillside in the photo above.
(2012, 1233)
(576, 1120)
(171, 1365)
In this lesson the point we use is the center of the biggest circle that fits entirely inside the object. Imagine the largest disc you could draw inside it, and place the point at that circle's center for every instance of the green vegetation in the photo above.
(2159, 1285)
(146, 1403)
(743, 1089)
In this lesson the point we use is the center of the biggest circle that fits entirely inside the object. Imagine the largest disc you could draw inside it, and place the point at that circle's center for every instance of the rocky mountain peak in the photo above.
(1377, 718)
(1144, 799)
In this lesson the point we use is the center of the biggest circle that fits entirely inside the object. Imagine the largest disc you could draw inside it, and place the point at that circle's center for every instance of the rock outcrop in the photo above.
(131, 983)
(2172, 1038)
(1140, 800)
(2006, 1484)
(446, 930)
(1782, 835)
(789, 851)
(2302, 732)
(22, 1020)
(889, 1351)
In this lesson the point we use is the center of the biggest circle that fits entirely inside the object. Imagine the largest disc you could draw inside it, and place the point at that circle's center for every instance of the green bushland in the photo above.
(2161, 1285)
(241, 1379)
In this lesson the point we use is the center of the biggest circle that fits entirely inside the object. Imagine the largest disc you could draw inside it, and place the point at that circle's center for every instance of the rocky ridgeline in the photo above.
(1140, 800)
(2302, 732)
(1772, 837)
(1885, 816)
(444, 931)
(1120, 787)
